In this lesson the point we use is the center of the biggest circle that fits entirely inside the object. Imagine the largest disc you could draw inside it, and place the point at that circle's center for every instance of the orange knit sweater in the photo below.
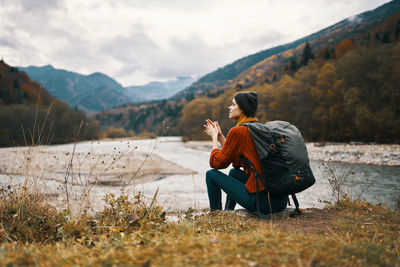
(238, 142)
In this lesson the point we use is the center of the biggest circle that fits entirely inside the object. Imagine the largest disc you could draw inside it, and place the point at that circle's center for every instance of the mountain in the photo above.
(159, 90)
(98, 92)
(340, 31)
(17, 88)
(91, 93)
(30, 115)
(369, 29)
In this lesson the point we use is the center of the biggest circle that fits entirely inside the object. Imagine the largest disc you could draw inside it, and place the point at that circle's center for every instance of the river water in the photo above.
(375, 184)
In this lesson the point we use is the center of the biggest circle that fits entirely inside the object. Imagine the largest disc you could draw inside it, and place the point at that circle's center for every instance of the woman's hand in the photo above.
(221, 137)
(211, 129)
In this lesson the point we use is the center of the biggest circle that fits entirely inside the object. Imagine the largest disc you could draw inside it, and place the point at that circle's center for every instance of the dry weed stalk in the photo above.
(85, 171)
(340, 179)
(337, 179)
(82, 171)
(25, 214)
(32, 178)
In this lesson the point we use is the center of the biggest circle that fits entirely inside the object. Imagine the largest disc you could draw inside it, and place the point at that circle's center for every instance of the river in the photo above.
(376, 184)
(178, 192)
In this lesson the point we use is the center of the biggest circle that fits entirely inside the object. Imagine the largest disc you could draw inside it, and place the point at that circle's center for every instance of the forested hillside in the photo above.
(269, 62)
(280, 77)
(356, 98)
(29, 115)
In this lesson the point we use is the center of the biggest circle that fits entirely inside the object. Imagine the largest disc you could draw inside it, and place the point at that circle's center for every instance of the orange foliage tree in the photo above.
(343, 47)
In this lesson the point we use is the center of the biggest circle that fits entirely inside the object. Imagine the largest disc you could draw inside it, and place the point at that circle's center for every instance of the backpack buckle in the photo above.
(299, 176)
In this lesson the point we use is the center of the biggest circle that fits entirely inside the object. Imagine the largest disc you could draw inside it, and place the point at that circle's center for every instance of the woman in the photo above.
(240, 186)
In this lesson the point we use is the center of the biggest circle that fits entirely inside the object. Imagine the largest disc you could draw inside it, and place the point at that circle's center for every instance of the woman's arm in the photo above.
(232, 149)
(221, 137)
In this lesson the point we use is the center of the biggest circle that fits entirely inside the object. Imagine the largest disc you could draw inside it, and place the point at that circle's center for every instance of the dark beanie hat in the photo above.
(248, 102)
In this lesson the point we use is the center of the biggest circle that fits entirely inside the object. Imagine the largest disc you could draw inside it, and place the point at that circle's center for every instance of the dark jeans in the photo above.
(234, 187)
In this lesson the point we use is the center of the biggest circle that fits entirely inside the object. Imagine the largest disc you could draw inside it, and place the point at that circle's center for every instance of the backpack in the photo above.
(284, 159)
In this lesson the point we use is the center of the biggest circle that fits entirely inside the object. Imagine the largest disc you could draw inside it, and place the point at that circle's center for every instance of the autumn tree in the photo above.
(193, 117)
(343, 47)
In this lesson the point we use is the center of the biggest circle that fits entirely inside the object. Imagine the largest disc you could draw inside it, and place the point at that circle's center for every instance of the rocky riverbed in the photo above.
(355, 153)
(339, 152)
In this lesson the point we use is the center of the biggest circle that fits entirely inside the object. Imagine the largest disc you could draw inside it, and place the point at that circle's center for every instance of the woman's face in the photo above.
(234, 110)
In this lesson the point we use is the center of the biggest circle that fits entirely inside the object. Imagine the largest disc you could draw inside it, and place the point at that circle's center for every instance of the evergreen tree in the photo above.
(293, 65)
(386, 38)
(327, 54)
(307, 55)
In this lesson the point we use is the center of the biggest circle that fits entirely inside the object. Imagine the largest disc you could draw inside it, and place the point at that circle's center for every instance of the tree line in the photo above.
(352, 98)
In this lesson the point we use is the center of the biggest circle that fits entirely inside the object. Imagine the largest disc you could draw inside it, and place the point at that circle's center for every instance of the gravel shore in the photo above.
(374, 154)
(388, 155)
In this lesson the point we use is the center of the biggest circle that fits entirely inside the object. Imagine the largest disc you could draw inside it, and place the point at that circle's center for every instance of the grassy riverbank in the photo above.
(131, 233)
(136, 232)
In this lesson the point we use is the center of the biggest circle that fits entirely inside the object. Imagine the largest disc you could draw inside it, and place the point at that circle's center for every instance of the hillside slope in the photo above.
(17, 88)
(331, 35)
(30, 115)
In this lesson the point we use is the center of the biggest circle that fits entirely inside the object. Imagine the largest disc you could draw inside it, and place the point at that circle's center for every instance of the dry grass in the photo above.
(131, 233)
(25, 217)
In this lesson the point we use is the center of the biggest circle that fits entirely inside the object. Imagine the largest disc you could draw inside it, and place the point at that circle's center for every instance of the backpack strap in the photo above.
(259, 214)
(296, 202)
(297, 210)
(256, 175)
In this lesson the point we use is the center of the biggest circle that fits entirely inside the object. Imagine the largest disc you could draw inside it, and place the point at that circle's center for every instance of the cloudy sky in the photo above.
(137, 41)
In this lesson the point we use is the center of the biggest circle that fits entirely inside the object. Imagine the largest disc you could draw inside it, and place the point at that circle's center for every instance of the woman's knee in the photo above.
(238, 174)
(210, 174)
(235, 172)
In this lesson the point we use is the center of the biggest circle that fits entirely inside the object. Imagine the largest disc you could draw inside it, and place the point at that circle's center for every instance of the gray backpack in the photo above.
(284, 158)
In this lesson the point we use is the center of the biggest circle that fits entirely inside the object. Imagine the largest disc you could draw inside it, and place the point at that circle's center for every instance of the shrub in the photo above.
(121, 214)
(113, 132)
(25, 217)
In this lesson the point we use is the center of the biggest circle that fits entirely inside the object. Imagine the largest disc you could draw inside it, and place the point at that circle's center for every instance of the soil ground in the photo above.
(312, 221)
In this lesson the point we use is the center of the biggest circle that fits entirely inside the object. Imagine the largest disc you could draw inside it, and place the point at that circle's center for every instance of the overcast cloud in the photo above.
(146, 40)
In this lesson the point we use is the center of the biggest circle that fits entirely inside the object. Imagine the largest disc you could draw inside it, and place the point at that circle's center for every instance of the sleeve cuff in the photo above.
(212, 151)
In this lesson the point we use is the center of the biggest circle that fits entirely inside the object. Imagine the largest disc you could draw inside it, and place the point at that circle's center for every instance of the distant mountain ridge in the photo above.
(97, 91)
(160, 90)
(91, 93)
